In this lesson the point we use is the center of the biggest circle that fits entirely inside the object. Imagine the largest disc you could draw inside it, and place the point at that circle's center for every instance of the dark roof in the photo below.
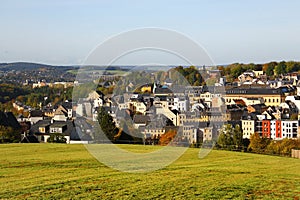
(67, 105)
(36, 113)
(8, 119)
(141, 119)
(78, 135)
(70, 126)
(250, 116)
(163, 91)
(253, 90)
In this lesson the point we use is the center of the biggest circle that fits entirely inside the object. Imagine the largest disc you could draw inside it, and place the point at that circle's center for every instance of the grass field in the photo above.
(60, 171)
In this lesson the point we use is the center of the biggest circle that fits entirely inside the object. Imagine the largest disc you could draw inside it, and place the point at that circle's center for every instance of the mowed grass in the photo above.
(61, 171)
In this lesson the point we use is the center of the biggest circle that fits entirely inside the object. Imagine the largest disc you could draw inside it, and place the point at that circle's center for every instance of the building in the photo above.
(249, 125)
(271, 96)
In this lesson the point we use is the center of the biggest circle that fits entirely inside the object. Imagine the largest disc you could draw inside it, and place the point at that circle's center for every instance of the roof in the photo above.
(141, 119)
(67, 105)
(163, 91)
(36, 113)
(254, 90)
(250, 116)
(78, 135)
(8, 119)
(70, 126)
(58, 125)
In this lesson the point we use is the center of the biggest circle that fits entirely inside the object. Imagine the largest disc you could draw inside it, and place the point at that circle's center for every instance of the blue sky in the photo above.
(65, 31)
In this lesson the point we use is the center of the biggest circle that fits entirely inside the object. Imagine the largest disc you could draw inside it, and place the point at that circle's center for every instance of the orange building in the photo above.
(278, 133)
(266, 132)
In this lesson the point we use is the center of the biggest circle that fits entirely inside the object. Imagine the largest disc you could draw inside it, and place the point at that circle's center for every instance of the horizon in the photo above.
(132, 65)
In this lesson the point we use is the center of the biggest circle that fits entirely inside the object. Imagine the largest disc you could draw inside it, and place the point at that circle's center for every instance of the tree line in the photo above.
(272, 69)
(265, 145)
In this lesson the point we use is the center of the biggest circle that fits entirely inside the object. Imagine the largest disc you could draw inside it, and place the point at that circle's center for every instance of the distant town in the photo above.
(226, 106)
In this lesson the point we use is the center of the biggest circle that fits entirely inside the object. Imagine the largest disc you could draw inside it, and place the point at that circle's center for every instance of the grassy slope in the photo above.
(69, 171)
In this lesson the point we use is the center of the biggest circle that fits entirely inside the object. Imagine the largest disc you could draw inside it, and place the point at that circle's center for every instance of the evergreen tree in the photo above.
(107, 125)
(237, 136)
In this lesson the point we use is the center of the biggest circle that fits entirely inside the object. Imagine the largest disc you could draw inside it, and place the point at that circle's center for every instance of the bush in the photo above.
(56, 138)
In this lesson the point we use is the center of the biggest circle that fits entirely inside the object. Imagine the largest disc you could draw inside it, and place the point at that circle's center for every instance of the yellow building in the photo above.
(271, 96)
(146, 88)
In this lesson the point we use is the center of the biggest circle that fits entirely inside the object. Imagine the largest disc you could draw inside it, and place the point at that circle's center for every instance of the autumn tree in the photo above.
(166, 138)
(258, 144)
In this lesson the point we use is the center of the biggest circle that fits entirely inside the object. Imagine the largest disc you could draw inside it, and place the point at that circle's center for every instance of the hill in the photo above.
(53, 171)
(21, 66)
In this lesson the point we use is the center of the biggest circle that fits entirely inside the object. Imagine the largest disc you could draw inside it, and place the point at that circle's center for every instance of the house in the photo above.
(271, 96)
(190, 132)
(208, 134)
(39, 84)
(247, 76)
(181, 104)
(68, 107)
(35, 116)
(60, 114)
(153, 131)
(172, 115)
(147, 88)
(163, 91)
(249, 124)
(18, 105)
(137, 104)
(234, 112)
(48, 111)
(140, 120)
(44, 128)
(97, 98)
(257, 108)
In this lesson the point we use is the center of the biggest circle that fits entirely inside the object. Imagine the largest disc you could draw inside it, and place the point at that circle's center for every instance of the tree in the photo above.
(294, 116)
(225, 139)
(258, 144)
(166, 138)
(280, 68)
(237, 136)
(107, 125)
(8, 134)
(222, 140)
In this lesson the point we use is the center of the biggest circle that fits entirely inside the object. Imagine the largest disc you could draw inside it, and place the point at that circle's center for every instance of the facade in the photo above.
(271, 96)
(190, 133)
(278, 129)
(248, 127)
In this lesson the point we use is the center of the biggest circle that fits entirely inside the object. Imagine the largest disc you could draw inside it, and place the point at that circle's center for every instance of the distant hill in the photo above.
(31, 66)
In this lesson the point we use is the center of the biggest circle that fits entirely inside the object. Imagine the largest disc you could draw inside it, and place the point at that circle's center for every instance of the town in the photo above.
(162, 110)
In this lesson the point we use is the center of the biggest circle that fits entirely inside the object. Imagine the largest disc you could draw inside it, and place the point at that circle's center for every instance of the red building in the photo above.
(278, 133)
(266, 132)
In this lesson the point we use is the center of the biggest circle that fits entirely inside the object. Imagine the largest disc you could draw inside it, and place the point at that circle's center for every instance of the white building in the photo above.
(181, 104)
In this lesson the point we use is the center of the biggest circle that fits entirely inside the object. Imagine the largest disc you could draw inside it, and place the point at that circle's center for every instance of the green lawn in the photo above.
(61, 171)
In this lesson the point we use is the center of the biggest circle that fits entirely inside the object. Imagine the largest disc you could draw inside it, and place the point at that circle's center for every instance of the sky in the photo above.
(64, 32)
